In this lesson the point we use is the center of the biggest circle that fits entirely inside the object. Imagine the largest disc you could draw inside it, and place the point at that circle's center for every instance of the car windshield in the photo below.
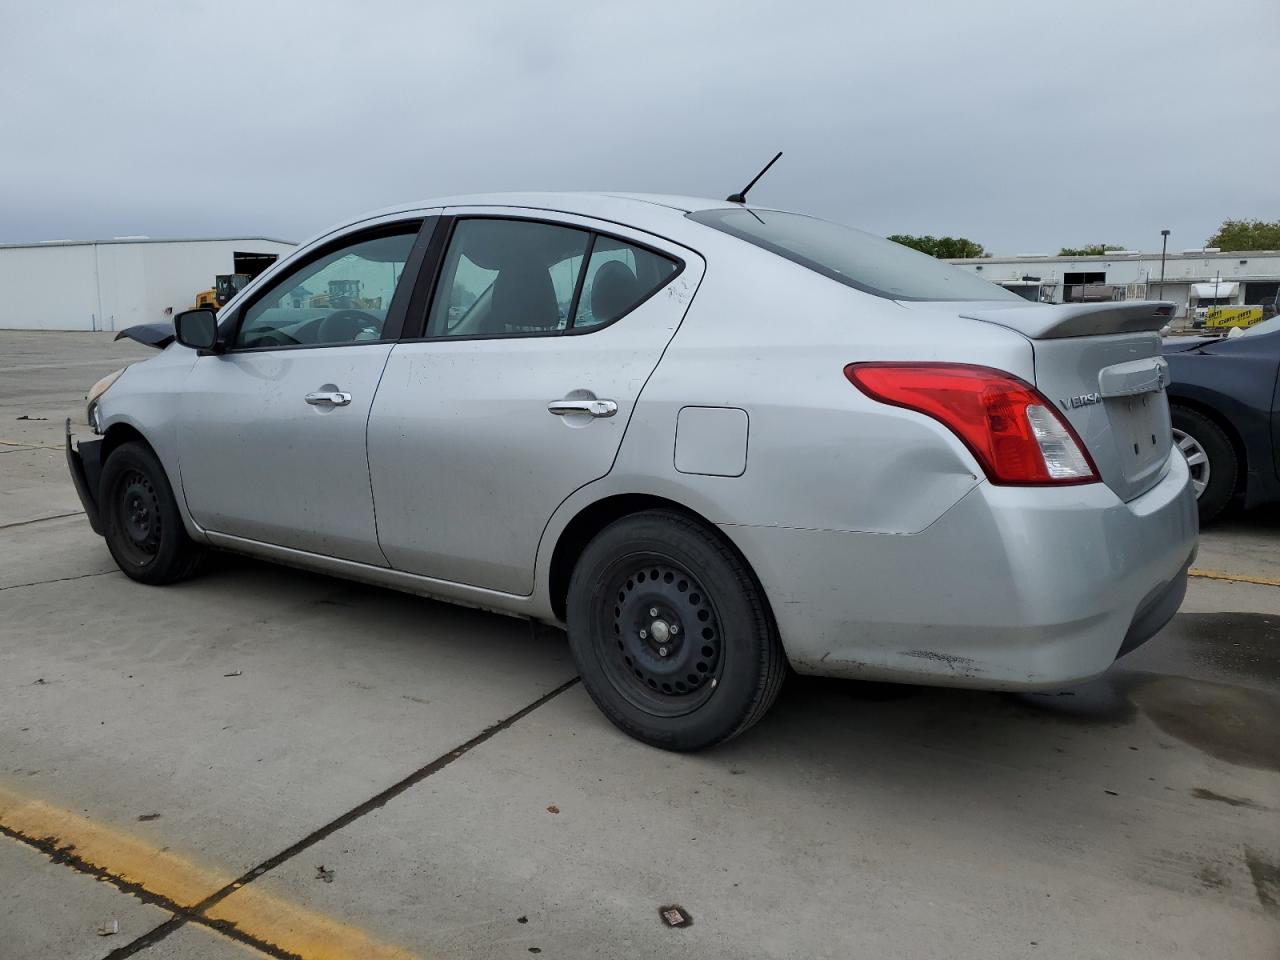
(860, 260)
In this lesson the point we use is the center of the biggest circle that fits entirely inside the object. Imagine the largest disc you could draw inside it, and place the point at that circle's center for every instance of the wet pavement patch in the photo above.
(1266, 879)
(1235, 724)
(1246, 644)
(1201, 793)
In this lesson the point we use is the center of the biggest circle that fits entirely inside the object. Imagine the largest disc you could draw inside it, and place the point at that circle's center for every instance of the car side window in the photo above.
(342, 297)
(619, 276)
(506, 278)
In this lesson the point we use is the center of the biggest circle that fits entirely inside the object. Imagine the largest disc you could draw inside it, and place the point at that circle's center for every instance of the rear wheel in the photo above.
(1210, 458)
(671, 633)
(140, 518)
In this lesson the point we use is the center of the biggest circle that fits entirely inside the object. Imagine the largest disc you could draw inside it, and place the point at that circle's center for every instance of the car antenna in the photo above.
(741, 195)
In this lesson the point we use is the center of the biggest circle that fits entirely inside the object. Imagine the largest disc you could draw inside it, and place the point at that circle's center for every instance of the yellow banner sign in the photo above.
(1232, 316)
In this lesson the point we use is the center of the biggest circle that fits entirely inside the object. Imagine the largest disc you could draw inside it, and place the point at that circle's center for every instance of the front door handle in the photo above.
(333, 398)
(595, 408)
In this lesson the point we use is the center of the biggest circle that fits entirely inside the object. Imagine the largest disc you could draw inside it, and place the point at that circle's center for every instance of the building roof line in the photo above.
(123, 240)
(1126, 257)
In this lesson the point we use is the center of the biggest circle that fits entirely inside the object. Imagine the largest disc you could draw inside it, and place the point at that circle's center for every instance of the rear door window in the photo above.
(504, 278)
(511, 278)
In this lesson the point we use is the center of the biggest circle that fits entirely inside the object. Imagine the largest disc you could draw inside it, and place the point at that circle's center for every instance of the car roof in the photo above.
(660, 214)
(586, 203)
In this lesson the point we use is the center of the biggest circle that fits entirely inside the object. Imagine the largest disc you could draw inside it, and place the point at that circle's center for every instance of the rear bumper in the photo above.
(85, 464)
(1012, 588)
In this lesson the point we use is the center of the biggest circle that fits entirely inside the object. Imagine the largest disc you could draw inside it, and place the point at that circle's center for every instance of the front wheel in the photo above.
(140, 518)
(671, 633)
(1210, 457)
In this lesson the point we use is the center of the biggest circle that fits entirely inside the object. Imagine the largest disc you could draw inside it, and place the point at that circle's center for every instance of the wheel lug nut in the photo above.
(662, 651)
(653, 611)
(644, 634)
(675, 628)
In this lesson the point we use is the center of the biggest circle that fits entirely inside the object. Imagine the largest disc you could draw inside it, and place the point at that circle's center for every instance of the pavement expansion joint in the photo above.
(81, 576)
(27, 523)
(90, 848)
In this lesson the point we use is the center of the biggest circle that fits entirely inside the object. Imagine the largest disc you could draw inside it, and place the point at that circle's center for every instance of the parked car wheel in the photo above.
(671, 633)
(140, 518)
(1210, 457)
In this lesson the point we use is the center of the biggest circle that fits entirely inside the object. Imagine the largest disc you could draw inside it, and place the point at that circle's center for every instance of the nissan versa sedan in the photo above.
(714, 441)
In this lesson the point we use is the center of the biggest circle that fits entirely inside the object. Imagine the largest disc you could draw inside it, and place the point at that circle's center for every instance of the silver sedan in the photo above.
(715, 441)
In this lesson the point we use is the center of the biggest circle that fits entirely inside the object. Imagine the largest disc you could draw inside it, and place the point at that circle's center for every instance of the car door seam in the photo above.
(368, 464)
(623, 438)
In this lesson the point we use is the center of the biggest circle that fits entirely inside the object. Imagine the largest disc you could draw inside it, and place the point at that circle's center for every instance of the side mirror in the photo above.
(197, 329)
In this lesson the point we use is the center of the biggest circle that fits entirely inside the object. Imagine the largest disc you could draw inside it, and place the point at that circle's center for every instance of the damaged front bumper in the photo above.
(84, 460)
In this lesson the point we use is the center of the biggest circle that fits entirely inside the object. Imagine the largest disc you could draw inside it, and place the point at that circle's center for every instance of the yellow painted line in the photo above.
(161, 872)
(256, 914)
(296, 929)
(215, 935)
(1237, 577)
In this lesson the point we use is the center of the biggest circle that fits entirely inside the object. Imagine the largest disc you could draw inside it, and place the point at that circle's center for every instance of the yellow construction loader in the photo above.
(225, 286)
(345, 295)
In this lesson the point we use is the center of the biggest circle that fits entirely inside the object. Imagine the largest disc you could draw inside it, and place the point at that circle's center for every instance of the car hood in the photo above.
(1185, 344)
(158, 335)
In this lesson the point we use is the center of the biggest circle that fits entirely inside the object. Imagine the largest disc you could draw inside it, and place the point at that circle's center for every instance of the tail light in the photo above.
(1008, 425)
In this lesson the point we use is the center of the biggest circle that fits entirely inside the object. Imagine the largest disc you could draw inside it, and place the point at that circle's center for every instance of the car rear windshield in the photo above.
(859, 260)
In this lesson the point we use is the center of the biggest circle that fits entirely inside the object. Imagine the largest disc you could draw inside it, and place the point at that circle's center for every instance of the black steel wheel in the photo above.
(140, 518)
(671, 632)
(136, 512)
(667, 638)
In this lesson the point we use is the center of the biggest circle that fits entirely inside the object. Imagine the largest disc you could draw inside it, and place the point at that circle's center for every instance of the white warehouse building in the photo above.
(113, 284)
(1191, 278)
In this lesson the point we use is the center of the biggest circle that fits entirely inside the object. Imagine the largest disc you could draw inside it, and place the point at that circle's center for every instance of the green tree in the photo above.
(1247, 235)
(1088, 250)
(944, 248)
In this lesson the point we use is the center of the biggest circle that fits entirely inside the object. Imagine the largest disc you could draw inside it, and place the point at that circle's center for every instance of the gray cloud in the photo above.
(1022, 126)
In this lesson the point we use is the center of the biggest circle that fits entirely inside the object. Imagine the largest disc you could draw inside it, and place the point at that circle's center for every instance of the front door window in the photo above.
(342, 297)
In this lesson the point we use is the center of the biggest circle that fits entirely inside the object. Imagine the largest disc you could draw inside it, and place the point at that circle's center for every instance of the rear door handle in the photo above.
(334, 398)
(595, 408)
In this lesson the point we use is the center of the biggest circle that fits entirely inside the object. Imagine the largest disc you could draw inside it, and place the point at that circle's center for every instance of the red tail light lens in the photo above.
(1010, 427)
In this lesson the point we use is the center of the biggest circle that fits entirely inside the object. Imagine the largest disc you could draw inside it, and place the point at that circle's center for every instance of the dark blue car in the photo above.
(1225, 401)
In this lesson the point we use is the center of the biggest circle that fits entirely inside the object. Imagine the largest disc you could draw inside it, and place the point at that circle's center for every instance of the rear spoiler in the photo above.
(1049, 321)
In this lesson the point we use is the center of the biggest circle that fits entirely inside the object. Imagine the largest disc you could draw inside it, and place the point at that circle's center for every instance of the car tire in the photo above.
(671, 632)
(1211, 457)
(140, 518)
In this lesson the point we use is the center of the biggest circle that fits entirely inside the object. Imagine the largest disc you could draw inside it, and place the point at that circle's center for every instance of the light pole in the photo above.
(1164, 245)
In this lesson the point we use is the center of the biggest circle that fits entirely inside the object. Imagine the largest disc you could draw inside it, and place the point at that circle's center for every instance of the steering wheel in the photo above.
(343, 326)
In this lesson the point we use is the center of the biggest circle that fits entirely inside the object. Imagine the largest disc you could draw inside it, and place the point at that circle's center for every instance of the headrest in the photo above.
(614, 290)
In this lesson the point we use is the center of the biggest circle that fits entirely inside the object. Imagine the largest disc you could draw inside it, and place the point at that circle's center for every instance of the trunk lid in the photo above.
(1100, 366)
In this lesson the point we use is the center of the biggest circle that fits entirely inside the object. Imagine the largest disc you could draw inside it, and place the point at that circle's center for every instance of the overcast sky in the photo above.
(1023, 125)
